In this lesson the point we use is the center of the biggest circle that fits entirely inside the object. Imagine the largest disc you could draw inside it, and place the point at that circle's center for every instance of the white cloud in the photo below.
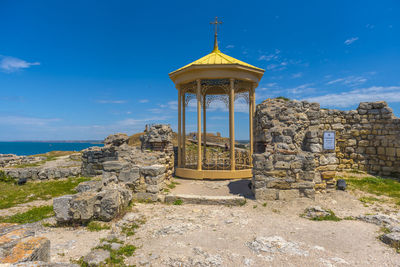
(350, 41)
(20, 120)
(349, 80)
(297, 75)
(272, 56)
(12, 64)
(346, 99)
(230, 46)
(300, 89)
(143, 101)
(111, 101)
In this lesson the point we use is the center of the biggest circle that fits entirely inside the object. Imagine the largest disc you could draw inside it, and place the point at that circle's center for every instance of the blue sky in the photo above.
(86, 69)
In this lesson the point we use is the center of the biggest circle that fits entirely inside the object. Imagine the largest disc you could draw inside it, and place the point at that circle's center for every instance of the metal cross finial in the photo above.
(216, 22)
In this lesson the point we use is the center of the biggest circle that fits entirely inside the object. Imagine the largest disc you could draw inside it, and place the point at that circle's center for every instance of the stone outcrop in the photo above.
(42, 173)
(10, 160)
(290, 161)
(127, 172)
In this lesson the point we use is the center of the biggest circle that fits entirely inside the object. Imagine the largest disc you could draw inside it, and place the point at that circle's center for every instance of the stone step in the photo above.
(206, 200)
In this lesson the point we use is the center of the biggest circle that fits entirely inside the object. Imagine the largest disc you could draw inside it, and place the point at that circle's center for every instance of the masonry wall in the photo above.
(289, 159)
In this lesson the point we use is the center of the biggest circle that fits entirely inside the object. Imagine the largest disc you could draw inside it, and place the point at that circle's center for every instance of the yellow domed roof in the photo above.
(216, 57)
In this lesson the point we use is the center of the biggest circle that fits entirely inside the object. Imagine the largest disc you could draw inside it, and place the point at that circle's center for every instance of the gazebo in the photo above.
(215, 76)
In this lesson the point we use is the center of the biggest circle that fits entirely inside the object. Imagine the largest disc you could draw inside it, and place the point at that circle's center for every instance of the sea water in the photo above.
(33, 148)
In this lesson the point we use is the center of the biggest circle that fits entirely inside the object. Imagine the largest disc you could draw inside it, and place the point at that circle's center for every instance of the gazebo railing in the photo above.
(216, 159)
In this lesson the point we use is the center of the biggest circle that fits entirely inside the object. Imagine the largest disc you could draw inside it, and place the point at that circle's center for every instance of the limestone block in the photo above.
(266, 194)
(282, 165)
(278, 184)
(315, 148)
(82, 206)
(155, 180)
(153, 170)
(371, 150)
(328, 175)
(130, 175)
(88, 186)
(30, 249)
(363, 143)
(288, 194)
(112, 202)
(114, 165)
(391, 151)
(61, 207)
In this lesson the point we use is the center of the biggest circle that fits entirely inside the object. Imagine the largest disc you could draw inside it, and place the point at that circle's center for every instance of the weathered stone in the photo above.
(61, 207)
(392, 239)
(30, 249)
(315, 212)
(89, 186)
(328, 175)
(116, 139)
(379, 219)
(96, 257)
(129, 176)
(114, 165)
(82, 206)
(288, 194)
(112, 202)
(153, 170)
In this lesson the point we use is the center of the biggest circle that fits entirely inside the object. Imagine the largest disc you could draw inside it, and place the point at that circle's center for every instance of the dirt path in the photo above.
(275, 235)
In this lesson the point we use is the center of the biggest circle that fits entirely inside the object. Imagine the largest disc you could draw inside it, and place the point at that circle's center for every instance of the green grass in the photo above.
(97, 226)
(5, 178)
(32, 215)
(283, 98)
(376, 185)
(178, 202)
(264, 204)
(369, 200)
(129, 230)
(116, 256)
(172, 185)
(12, 194)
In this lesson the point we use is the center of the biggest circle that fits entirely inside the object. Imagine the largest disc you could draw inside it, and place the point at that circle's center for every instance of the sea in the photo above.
(33, 148)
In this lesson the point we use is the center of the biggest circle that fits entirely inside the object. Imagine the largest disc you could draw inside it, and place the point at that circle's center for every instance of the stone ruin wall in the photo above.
(127, 172)
(289, 159)
(145, 170)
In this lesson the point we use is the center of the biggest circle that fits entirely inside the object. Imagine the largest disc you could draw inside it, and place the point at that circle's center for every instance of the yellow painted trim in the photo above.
(213, 174)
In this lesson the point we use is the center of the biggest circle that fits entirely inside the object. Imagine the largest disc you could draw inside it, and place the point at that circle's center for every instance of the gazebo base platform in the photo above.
(213, 174)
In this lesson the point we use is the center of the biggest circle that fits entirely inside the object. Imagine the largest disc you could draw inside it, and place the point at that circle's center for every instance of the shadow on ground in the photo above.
(241, 188)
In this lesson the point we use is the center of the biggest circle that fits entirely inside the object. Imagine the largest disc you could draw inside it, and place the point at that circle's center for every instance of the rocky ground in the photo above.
(255, 234)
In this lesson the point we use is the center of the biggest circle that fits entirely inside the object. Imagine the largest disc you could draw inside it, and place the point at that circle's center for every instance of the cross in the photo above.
(216, 22)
